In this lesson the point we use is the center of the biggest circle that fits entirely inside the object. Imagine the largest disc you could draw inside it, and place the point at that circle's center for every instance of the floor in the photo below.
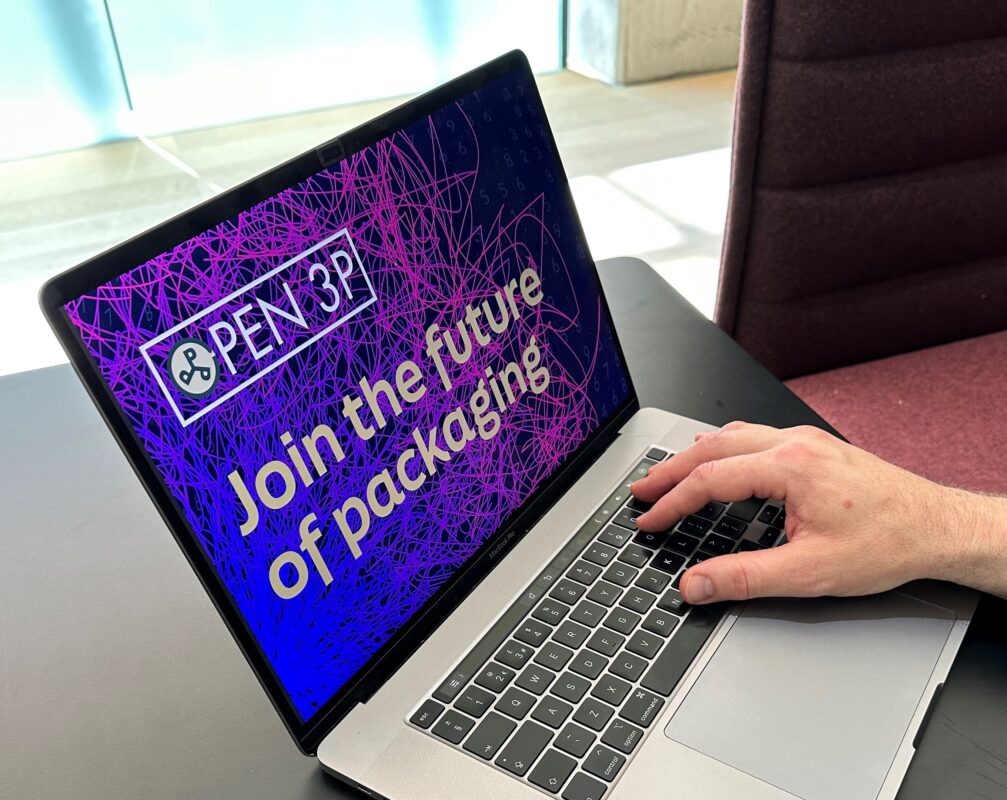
(648, 165)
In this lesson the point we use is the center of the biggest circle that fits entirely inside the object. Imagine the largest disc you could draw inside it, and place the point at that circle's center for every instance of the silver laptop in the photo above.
(377, 396)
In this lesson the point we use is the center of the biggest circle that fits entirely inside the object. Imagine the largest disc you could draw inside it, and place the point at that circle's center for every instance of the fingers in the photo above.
(726, 480)
(735, 438)
(785, 571)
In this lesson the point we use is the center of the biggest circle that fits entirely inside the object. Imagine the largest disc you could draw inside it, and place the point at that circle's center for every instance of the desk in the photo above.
(102, 619)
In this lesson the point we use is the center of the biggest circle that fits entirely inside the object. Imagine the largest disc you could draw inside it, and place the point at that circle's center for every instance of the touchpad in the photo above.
(814, 696)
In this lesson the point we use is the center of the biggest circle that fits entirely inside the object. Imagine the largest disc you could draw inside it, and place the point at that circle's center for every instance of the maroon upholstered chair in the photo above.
(868, 219)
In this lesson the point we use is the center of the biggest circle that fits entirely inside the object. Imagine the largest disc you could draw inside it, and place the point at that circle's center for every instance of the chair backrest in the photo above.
(868, 210)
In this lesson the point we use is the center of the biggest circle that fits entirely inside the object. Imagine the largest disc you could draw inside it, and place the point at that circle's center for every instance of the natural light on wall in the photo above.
(191, 63)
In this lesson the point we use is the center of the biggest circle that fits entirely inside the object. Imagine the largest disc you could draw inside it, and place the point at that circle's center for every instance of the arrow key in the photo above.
(552, 771)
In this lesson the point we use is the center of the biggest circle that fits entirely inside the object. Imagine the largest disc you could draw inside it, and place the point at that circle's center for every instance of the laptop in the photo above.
(377, 396)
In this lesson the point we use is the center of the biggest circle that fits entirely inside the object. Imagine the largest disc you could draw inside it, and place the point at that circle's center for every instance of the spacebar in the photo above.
(671, 664)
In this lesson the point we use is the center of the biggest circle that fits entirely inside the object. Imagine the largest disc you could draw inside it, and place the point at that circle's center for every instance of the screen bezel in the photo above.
(107, 266)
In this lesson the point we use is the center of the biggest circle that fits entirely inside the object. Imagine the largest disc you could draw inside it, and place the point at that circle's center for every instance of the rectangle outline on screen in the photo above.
(186, 421)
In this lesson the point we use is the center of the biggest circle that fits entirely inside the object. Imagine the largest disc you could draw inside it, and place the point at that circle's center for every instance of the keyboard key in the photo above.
(695, 525)
(674, 602)
(495, 677)
(748, 545)
(637, 504)
(452, 726)
(599, 553)
(588, 613)
(604, 763)
(781, 519)
(604, 593)
(594, 714)
(606, 642)
(571, 687)
(583, 572)
(611, 689)
(769, 537)
(667, 561)
(729, 526)
(551, 611)
(552, 711)
(515, 703)
(718, 545)
(514, 654)
(552, 771)
(553, 656)
(622, 620)
(746, 509)
(642, 707)
(567, 591)
(656, 454)
(426, 714)
(533, 632)
(660, 622)
(589, 664)
(651, 539)
(653, 581)
(645, 644)
(525, 746)
(711, 510)
(474, 701)
(571, 634)
(768, 514)
(699, 558)
(667, 670)
(638, 600)
(682, 543)
(574, 740)
(636, 556)
(622, 736)
(614, 535)
(621, 574)
(489, 735)
(584, 787)
(627, 518)
(629, 666)
(535, 679)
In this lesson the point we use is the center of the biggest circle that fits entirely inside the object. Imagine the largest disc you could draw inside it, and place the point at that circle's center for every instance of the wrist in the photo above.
(971, 540)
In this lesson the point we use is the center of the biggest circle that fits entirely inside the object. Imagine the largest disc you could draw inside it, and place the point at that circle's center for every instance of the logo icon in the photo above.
(193, 367)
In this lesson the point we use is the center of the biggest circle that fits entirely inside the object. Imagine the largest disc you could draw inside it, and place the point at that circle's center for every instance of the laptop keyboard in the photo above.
(564, 687)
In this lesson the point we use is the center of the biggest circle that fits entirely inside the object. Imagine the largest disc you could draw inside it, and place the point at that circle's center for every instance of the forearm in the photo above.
(972, 545)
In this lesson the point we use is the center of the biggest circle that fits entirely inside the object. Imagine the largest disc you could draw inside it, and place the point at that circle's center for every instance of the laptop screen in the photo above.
(349, 387)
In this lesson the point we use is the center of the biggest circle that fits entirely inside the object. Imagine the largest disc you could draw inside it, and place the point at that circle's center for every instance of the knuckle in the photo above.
(811, 433)
(734, 425)
(743, 579)
(793, 451)
(704, 472)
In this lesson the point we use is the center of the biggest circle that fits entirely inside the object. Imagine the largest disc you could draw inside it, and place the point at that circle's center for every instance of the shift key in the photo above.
(524, 748)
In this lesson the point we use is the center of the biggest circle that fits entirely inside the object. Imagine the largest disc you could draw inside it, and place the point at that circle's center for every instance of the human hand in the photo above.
(855, 524)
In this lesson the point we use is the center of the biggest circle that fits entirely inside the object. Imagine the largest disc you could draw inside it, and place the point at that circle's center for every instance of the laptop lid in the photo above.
(352, 383)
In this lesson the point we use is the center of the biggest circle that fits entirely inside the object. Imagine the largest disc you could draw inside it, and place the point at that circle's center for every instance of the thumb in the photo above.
(782, 571)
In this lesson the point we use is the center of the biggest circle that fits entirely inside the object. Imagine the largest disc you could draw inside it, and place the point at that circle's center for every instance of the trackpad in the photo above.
(814, 696)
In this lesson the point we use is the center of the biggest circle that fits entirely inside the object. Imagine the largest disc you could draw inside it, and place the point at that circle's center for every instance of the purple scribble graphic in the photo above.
(441, 214)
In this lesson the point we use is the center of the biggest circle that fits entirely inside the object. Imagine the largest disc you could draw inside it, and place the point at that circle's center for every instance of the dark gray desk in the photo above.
(118, 680)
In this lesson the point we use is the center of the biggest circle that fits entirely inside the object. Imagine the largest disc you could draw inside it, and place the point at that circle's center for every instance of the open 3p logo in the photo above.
(235, 341)
(192, 367)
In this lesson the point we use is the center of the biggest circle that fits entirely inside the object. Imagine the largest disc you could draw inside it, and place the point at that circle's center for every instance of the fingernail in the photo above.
(700, 589)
